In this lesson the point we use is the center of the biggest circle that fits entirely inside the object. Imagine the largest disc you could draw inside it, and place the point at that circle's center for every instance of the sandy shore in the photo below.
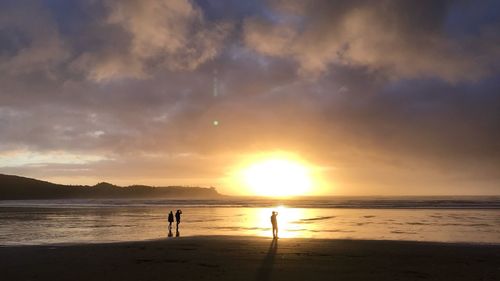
(249, 258)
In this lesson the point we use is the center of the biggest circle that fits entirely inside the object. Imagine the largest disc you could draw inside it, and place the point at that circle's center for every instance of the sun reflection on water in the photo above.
(288, 219)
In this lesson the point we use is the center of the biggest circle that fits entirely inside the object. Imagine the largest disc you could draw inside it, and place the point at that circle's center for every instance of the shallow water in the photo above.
(84, 221)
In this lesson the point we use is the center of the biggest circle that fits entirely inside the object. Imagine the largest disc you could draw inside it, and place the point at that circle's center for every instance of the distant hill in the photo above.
(21, 188)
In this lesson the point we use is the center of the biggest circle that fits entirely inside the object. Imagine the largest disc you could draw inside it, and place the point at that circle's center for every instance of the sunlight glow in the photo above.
(277, 177)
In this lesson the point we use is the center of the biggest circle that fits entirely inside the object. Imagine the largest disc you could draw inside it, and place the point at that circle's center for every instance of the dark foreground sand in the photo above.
(247, 258)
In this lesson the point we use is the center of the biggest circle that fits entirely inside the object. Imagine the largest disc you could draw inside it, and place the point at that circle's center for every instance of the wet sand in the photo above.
(251, 258)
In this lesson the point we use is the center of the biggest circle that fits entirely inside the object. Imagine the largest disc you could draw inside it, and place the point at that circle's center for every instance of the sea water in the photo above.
(440, 219)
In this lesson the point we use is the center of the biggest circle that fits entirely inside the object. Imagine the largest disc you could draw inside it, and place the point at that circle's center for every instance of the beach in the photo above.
(252, 258)
(451, 220)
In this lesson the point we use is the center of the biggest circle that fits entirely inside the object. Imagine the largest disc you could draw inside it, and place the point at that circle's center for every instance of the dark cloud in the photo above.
(404, 38)
(29, 41)
(395, 98)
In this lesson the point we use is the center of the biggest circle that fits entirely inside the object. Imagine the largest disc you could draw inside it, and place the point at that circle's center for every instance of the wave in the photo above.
(311, 220)
(491, 202)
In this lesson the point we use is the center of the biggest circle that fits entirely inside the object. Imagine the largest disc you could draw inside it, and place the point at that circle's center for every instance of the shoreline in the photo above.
(243, 237)
(252, 258)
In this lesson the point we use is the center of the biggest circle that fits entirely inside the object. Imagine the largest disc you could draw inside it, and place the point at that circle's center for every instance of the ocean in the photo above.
(437, 219)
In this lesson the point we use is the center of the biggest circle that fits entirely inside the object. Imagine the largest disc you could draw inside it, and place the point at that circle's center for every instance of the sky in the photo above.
(376, 97)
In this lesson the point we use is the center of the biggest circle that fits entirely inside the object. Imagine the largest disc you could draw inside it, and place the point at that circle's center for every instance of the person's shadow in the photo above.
(266, 267)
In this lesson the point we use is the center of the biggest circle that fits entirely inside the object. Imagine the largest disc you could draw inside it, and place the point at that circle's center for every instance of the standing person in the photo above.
(178, 219)
(274, 222)
(170, 220)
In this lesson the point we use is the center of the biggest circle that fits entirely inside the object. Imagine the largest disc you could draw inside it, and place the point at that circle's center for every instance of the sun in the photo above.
(277, 177)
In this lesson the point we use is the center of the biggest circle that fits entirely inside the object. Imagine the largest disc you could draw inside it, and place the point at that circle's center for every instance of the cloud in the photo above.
(158, 34)
(107, 40)
(404, 39)
(26, 158)
(29, 41)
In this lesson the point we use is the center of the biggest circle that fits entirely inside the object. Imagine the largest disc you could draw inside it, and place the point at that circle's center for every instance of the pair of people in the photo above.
(177, 219)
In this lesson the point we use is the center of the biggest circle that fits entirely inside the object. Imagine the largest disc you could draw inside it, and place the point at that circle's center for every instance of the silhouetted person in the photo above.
(170, 220)
(274, 222)
(178, 219)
